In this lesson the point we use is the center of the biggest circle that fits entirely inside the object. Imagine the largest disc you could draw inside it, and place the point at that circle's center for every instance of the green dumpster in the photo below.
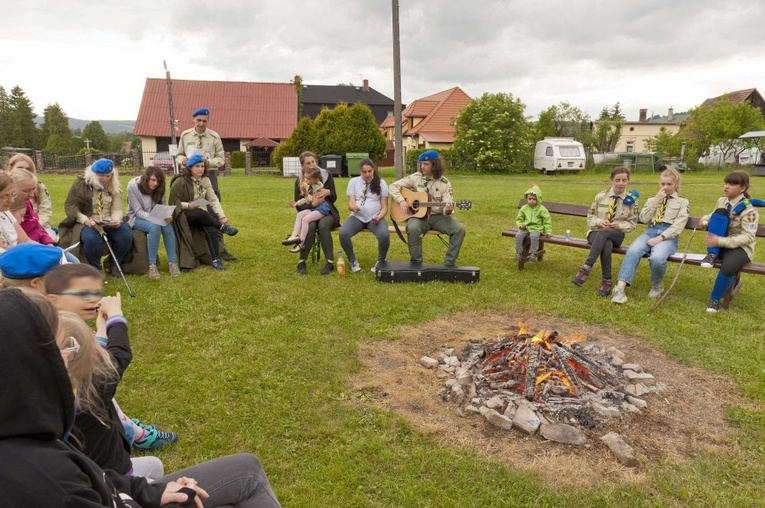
(352, 163)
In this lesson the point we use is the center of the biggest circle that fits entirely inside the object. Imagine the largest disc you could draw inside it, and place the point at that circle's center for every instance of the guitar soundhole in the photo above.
(415, 205)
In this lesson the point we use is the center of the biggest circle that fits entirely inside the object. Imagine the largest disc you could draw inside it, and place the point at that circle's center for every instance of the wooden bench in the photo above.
(581, 243)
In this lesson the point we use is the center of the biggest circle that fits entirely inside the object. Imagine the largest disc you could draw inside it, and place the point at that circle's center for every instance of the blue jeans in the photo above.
(352, 226)
(657, 259)
(153, 231)
(121, 239)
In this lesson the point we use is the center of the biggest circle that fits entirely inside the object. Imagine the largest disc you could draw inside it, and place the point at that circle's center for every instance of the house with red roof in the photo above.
(241, 112)
(429, 122)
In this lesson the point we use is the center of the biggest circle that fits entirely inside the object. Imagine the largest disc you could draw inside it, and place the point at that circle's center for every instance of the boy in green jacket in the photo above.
(534, 221)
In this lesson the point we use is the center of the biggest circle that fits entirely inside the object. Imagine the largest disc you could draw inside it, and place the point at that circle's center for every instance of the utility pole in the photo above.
(397, 132)
(173, 148)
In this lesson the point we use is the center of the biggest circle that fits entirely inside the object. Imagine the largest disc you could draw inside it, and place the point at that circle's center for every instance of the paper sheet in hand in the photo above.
(159, 213)
(200, 202)
(191, 152)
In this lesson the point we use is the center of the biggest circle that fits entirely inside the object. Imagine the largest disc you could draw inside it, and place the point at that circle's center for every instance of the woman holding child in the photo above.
(612, 214)
(145, 192)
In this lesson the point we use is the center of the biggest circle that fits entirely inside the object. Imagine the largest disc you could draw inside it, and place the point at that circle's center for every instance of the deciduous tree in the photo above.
(609, 128)
(564, 120)
(493, 135)
(303, 138)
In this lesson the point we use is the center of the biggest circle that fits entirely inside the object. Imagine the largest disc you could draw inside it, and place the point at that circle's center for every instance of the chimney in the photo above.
(671, 115)
(365, 87)
(643, 115)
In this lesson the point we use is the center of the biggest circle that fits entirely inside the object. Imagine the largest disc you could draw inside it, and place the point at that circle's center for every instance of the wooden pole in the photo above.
(397, 132)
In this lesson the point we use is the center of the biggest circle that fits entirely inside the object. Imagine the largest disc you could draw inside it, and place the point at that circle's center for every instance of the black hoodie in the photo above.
(37, 468)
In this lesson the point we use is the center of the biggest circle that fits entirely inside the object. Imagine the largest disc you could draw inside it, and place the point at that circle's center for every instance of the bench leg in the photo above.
(731, 293)
(526, 254)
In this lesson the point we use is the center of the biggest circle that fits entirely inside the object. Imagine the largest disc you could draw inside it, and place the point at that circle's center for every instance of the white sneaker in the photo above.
(355, 267)
(619, 296)
(656, 290)
(374, 269)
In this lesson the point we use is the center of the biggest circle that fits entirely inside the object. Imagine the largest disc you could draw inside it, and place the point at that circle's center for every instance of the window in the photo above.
(569, 151)
(549, 152)
(630, 146)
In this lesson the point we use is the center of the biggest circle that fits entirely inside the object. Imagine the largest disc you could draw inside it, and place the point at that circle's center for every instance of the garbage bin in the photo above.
(353, 160)
(332, 163)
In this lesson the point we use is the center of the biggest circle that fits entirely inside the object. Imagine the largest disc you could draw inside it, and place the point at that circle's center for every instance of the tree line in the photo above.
(18, 128)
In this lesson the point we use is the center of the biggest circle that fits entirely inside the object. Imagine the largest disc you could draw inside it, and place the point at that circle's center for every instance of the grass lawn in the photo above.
(257, 358)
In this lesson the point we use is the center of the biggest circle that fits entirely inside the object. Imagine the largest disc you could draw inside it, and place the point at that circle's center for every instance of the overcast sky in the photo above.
(92, 57)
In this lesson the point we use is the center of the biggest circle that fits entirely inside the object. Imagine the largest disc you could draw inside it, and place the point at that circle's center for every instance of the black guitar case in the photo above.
(400, 271)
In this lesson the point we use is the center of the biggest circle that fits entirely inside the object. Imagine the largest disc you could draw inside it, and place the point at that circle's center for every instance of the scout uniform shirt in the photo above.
(742, 229)
(438, 190)
(208, 142)
(675, 213)
(624, 215)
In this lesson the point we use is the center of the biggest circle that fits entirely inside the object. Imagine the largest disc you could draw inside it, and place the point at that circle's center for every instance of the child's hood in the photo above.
(536, 191)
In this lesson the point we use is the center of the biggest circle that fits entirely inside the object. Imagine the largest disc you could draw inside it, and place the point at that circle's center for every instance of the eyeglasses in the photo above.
(72, 347)
(9, 197)
(85, 295)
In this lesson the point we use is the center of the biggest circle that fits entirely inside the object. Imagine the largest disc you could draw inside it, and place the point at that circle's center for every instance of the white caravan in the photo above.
(559, 154)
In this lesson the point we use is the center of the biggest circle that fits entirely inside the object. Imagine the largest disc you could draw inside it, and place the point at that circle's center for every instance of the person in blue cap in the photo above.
(94, 204)
(199, 140)
(27, 263)
(431, 180)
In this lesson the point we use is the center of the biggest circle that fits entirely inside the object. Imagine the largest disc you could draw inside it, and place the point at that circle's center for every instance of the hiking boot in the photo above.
(619, 295)
(714, 306)
(301, 269)
(218, 264)
(605, 287)
(153, 272)
(355, 266)
(291, 240)
(154, 439)
(174, 270)
(228, 230)
(581, 276)
(709, 260)
(297, 248)
(328, 268)
(656, 290)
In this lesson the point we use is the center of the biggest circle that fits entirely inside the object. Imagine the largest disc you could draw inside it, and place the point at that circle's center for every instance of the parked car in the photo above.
(163, 160)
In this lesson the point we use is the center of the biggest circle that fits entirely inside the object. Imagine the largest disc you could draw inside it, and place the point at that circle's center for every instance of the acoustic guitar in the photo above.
(418, 205)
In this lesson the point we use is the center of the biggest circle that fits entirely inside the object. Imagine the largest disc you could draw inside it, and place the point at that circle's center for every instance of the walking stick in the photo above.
(682, 262)
(101, 231)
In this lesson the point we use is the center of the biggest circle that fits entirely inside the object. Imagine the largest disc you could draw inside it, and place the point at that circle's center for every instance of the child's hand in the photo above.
(712, 240)
(522, 226)
(110, 306)
(293, 204)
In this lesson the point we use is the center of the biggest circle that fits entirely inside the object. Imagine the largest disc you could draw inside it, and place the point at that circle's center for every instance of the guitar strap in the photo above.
(401, 235)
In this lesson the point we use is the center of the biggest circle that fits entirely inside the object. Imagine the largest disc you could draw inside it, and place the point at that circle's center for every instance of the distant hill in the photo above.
(110, 126)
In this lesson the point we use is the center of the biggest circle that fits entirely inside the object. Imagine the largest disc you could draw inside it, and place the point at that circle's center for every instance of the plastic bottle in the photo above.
(340, 263)
(568, 235)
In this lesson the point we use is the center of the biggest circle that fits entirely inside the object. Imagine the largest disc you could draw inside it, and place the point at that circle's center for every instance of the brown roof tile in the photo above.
(737, 96)
(238, 110)
(442, 108)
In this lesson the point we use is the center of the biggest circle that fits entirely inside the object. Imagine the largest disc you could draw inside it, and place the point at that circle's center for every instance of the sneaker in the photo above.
(518, 257)
(355, 267)
(174, 270)
(656, 290)
(301, 269)
(581, 276)
(297, 248)
(291, 240)
(714, 306)
(153, 438)
(328, 268)
(619, 295)
(709, 260)
(228, 230)
(218, 264)
(374, 269)
(153, 272)
(605, 287)
(533, 258)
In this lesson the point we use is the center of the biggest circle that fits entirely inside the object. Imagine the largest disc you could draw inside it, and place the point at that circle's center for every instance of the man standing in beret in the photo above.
(430, 179)
(199, 140)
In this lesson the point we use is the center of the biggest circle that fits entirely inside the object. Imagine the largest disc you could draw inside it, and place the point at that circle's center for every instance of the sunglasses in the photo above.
(85, 295)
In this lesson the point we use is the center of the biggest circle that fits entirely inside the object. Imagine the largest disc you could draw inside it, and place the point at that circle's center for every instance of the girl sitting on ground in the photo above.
(666, 215)
(612, 214)
(310, 188)
(144, 193)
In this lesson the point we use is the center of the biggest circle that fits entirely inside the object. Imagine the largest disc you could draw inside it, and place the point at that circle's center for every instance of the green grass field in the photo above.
(257, 358)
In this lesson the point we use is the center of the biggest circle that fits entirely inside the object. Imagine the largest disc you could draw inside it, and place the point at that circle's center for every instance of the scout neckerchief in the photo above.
(199, 138)
(612, 208)
(200, 189)
(364, 193)
(660, 211)
(100, 203)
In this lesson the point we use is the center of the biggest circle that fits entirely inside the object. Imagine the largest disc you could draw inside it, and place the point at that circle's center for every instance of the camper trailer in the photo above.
(559, 154)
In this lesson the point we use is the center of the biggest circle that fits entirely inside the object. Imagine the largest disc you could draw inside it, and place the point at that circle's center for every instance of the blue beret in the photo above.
(102, 167)
(201, 111)
(429, 155)
(29, 260)
(194, 159)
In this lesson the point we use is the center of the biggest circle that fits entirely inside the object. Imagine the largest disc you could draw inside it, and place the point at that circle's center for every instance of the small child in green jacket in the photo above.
(534, 221)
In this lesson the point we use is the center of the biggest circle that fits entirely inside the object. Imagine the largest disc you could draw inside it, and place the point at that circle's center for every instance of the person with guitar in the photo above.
(436, 213)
